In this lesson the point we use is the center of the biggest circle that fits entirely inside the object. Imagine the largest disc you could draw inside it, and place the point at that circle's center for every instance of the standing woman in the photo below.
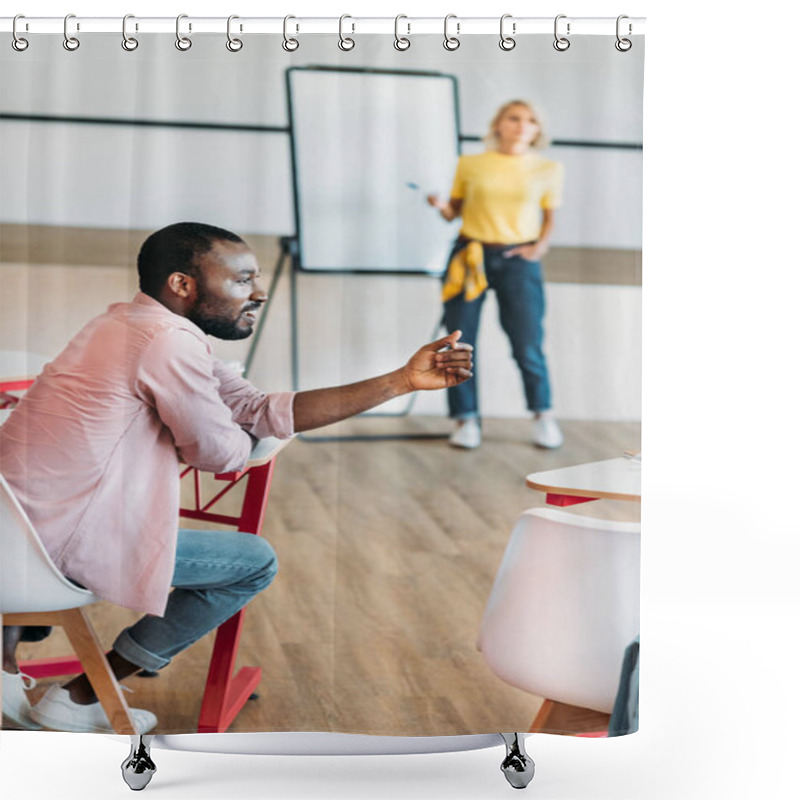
(506, 198)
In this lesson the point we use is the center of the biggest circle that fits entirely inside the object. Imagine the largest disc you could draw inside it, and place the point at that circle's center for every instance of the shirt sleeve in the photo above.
(260, 414)
(176, 377)
(553, 194)
(459, 181)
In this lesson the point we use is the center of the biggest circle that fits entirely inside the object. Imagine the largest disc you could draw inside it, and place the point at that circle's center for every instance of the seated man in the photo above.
(92, 453)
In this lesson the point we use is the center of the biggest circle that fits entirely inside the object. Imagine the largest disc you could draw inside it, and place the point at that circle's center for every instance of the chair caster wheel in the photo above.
(138, 768)
(517, 766)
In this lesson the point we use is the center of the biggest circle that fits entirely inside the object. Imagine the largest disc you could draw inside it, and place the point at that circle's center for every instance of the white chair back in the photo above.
(29, 580)
(564, 606)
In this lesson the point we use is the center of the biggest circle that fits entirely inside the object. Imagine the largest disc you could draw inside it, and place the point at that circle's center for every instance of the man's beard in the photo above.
(213, 324)
(220, 327)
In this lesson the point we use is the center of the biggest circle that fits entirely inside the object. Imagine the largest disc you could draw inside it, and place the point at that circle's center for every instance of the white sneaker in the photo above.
(57, 711)
(467, 435)
(15, 700)
(546, 432)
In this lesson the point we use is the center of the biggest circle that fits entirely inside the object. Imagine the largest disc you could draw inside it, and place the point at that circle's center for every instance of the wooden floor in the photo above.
(388, 551)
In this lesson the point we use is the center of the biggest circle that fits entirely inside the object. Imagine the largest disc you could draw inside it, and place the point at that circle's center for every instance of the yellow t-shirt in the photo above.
(503, 195)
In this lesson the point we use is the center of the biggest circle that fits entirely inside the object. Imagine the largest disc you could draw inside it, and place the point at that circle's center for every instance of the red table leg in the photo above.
(566, 499)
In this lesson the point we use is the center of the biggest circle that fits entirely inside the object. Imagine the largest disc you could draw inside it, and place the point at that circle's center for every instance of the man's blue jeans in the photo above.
(519, 287)
(216, 574)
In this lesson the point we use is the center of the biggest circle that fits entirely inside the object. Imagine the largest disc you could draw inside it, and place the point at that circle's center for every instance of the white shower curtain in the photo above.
(340, 170)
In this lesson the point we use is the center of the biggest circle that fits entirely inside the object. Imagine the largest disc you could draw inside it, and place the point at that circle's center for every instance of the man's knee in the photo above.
(264, 561)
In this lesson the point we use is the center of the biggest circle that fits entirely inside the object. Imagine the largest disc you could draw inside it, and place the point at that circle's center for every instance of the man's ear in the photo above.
(181, 285)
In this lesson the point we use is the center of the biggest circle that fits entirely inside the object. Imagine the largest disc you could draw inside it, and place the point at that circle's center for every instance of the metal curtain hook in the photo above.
(451, 42)
(401, 42)
(234, 45)
(561, 43)
(182, 42)
(18, 43)
(507, 42)
(129, 43)
(623, 45)
(70, 42)
(289, 44)
(346, 42)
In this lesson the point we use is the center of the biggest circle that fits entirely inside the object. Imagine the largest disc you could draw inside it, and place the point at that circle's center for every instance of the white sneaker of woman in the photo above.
(546, 432)
(467, 434)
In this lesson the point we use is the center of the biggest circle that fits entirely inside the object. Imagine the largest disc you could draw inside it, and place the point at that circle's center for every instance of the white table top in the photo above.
(614, 479)
(266, 450)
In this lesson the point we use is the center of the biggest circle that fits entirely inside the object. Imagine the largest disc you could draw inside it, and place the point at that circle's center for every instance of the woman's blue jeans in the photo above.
(519, 287)
(216, 574)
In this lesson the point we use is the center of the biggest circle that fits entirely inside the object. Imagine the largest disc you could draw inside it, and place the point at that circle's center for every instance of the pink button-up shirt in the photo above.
(92, 450)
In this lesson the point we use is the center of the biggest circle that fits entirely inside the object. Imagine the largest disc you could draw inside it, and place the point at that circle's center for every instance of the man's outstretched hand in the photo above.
(440, 364)
(436, 366)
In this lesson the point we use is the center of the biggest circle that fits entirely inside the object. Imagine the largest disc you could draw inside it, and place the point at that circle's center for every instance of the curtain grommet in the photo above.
(129, 43)
(70, 43)
(561, 43)
(451, 43)
(19, 43)
(622, 44)
(233, 44)
(507, 42)
(183, 43)
(346, 43)
(401, 43)
(289, 43)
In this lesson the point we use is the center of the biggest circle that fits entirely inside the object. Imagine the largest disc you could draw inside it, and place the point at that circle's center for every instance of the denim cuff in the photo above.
(136, 654)
(464, 416)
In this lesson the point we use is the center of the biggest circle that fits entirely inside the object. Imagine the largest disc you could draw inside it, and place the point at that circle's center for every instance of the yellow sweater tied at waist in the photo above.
(465, 274)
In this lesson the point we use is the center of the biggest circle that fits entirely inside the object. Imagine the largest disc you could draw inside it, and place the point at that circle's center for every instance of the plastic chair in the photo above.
(34, 592)
(563, 608)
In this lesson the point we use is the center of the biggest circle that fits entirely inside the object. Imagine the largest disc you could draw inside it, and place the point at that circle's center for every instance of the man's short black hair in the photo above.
(176, 248)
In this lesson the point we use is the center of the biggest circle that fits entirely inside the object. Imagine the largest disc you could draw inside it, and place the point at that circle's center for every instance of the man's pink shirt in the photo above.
(92, 451)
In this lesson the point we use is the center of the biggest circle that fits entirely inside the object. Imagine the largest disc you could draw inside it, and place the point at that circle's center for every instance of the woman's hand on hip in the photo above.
(530, 252)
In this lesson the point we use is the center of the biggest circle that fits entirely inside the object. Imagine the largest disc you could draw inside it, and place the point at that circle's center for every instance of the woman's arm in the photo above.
(449, 209)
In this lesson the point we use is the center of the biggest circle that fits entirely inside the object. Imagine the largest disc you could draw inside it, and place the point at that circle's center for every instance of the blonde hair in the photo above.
(490, 140)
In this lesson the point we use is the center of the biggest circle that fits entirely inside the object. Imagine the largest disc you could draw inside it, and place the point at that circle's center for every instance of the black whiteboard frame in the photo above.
(297, 255)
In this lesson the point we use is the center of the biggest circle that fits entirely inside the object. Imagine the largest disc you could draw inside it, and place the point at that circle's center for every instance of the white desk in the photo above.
(614, 479)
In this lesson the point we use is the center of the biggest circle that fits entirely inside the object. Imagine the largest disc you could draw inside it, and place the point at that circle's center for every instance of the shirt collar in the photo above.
(142, 299)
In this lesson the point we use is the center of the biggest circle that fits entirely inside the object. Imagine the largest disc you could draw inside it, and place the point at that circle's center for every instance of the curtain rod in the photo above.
(299, 25)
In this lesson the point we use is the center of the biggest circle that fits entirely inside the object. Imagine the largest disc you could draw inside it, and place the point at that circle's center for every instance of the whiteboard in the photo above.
(367, 147)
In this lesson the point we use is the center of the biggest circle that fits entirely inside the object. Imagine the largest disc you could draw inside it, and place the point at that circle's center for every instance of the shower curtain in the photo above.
(389, 194)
